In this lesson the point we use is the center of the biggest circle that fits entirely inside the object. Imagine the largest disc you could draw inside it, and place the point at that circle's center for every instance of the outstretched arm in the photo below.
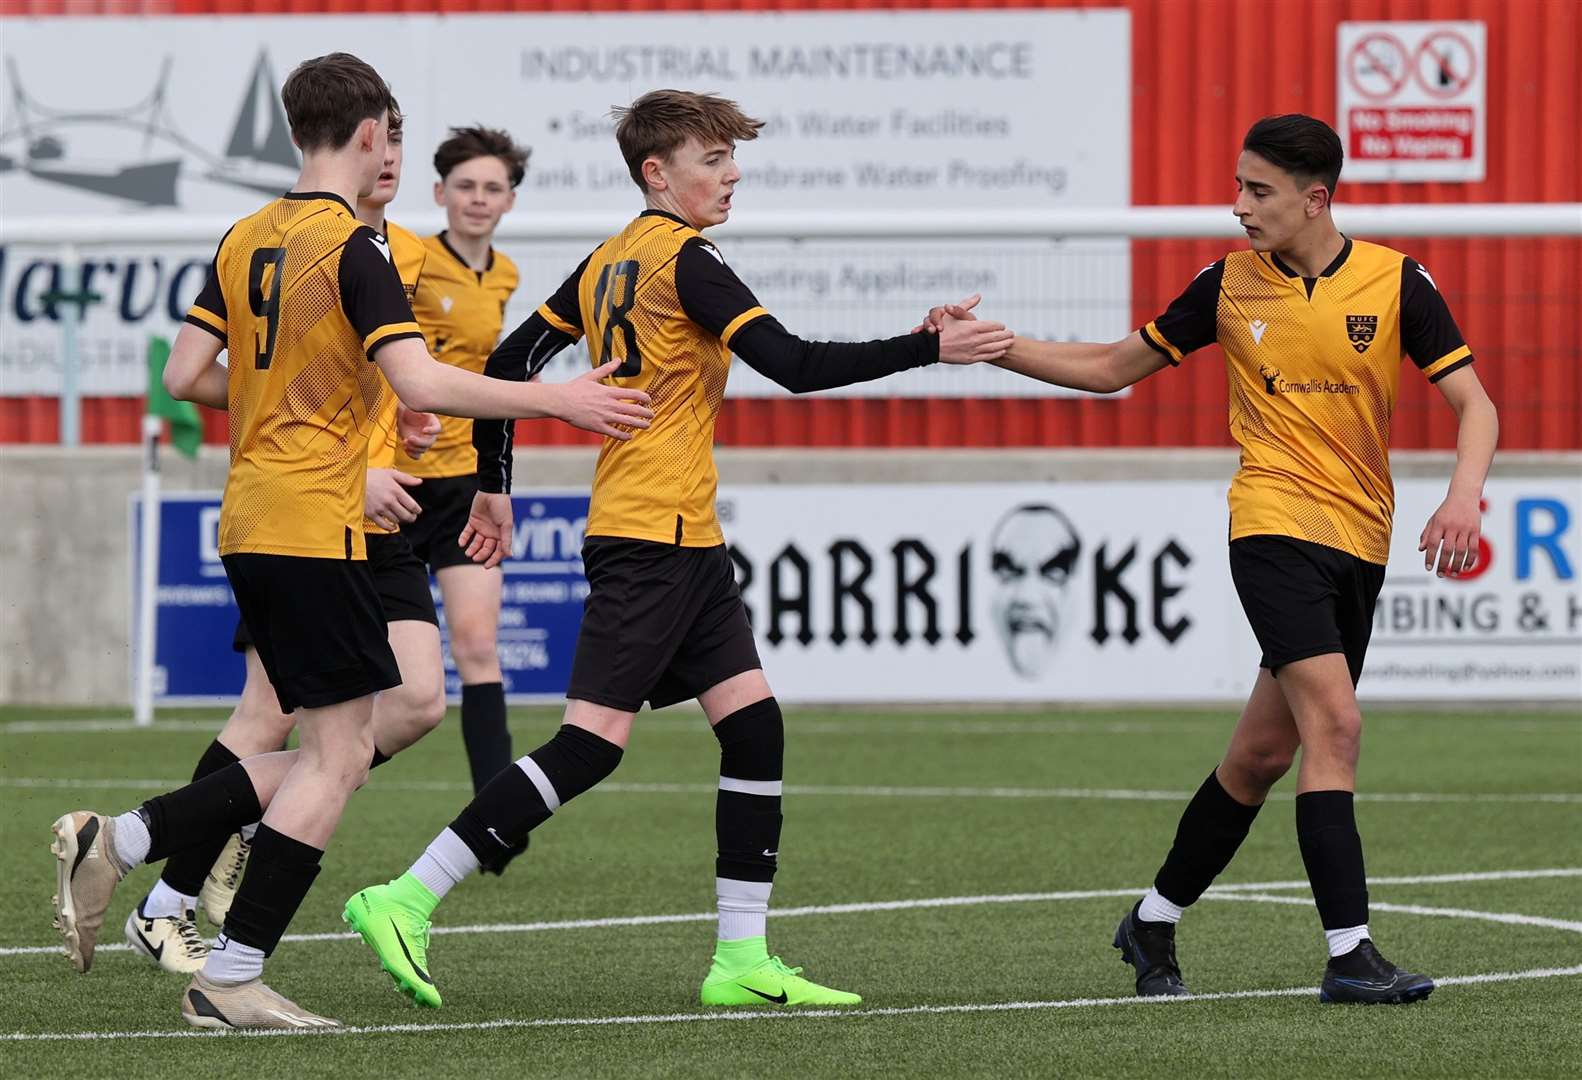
(1190, 323)
(517, 359)
(1080, 365)
(720, 302)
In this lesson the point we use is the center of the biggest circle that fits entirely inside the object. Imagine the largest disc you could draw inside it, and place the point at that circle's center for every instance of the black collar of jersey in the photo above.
(664, 214)
(444, 241)
(1328, 271)
(330, 195)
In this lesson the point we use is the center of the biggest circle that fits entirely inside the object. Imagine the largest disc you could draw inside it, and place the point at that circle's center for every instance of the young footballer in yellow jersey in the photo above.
(1314, 326)
(163, 926)
(307, 303)
(664, 621)
(460, 304)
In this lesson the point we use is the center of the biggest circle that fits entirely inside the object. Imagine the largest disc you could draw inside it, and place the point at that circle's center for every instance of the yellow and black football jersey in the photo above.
(1314, 370)
(461, 311)
(302, 294)
(408, 254)
(642, 298)
(659, 298)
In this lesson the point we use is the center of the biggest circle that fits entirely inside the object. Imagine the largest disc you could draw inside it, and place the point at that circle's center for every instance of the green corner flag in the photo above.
(186, 429)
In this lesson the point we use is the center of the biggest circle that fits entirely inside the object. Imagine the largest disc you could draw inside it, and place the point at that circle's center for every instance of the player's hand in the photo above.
(487, 537)
(934, 321)
(611, 411)
(1450, 539)
(386, 502)
(971, 341)
(417, 431)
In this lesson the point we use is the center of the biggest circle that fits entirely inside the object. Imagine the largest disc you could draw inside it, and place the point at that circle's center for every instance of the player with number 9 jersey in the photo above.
(291, 284)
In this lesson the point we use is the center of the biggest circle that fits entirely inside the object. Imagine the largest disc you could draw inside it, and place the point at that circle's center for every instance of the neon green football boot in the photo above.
(744, 973)
(393, 921)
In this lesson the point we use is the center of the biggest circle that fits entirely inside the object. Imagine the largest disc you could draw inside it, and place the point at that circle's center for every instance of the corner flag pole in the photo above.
(147, 577)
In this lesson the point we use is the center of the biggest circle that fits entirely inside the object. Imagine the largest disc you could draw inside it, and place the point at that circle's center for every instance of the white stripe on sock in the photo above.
(131, 838)
(163, 902)
(546, 790)
(1155, 908)
(751, 787)
(231, 962)
(446, 863)
(744, 908)
(1343, 941)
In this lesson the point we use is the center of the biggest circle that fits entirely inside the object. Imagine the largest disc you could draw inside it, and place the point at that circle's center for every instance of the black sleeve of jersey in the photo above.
(371, 291)
(1192, 319)
(1428, 331)
(211, 297)
(804, 366)
(518, 358)
(710, 292)
(565, 304)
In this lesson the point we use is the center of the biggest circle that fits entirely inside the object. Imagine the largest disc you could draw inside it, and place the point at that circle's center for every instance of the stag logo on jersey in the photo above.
(1361, 329)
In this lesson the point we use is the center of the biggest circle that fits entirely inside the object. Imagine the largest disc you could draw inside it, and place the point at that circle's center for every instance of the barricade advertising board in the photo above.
(1080, 592)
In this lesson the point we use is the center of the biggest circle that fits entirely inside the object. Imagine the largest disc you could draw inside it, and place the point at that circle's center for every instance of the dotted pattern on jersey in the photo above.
(409, 255)
(1312, 415)
(299, 427)
(461, 319)
(667, 471)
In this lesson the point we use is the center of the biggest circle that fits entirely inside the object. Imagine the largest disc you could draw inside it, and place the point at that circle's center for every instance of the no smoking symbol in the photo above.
(1377, 66)
(1445, 64)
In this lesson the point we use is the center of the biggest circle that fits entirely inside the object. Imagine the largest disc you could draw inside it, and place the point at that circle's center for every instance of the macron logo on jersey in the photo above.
(1421, 269)
(712, 250)
(382, 246)
(1257, 326)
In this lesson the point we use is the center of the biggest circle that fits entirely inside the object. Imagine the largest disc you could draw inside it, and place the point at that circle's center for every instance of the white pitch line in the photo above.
(1508, 918)
(849, 791)
(797, 1014)
(861, 907)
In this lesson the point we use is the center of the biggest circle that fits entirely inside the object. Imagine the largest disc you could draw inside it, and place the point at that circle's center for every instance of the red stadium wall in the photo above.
(1193, 96)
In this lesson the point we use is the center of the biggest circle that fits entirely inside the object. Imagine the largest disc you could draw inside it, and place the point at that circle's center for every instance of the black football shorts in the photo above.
(1305, 599)
(661, 624)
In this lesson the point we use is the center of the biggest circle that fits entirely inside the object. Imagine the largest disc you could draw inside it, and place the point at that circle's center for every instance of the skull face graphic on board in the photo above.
(1034, 552)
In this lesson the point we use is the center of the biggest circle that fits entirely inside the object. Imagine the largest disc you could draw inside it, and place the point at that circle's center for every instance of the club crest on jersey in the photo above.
(1360, 329)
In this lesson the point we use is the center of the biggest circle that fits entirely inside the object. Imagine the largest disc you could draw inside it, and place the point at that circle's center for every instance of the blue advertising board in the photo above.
(540, 613)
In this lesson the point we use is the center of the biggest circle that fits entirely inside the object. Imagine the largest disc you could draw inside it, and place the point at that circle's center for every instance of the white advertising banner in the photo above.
(1412, 100)
(992, 592)
(917, 110)
(1512, 628)
(1122, 592)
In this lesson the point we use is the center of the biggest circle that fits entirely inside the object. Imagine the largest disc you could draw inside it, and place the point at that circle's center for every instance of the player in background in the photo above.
(1314, 326)
(302, 296)
(664, 621)
(163, 926)
(460, 304)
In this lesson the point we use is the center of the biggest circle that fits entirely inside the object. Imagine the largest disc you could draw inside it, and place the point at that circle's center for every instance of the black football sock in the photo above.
(1211, 829)
(185, 869)
(521, 798)
(484, 731)
(747, 816)
(1326, 830)
(206, 809)
(279, 874)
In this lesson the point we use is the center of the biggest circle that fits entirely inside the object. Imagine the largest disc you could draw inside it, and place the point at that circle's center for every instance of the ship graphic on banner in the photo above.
(135, 154)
